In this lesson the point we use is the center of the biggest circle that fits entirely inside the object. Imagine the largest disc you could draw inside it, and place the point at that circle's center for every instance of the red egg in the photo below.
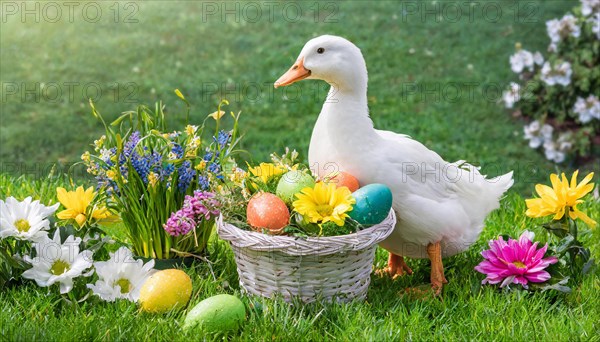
(344, 179)
(266, 210)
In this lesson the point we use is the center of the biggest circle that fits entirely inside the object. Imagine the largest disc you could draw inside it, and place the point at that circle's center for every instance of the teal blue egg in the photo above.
(373, 204)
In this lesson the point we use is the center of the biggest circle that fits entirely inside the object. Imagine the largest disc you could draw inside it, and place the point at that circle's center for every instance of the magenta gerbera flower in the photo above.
(515, 262)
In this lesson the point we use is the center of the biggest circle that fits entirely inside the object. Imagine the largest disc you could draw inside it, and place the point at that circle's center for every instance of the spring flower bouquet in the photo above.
(559, 94)
(284, 198)
(522, 262)
(163, 183)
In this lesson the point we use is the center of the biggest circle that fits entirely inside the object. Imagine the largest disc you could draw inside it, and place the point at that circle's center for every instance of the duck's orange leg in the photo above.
(396, 266)
(434, 250)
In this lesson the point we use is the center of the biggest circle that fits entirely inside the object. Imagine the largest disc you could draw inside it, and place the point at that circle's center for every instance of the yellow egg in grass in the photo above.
(166, 290)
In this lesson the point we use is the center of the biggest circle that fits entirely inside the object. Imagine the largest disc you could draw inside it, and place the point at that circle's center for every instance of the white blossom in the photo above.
(26, 220)
(511, 96)
(537, 134)
(587, 109)
(557, 151)
(538, 58)
(105, 155)
(559, 74)
(57, 263)
(590, 7)
(520, 60)
(563, 28)
(121, 276)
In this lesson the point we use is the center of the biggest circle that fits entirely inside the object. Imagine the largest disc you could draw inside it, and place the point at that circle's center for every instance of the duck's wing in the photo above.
(420, 166)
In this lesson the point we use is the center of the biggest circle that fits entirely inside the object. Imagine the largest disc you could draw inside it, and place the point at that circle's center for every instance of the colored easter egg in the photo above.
(344, 179)
(165, 290)
(291, 183)
(217, 314)
(266, 210)
(373, 204)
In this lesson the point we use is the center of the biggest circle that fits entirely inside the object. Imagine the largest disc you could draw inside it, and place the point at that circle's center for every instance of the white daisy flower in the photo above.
(590, 6)
(121, 276)
(558, 74)
(26, 220)
(57, 263)
(511, 96)
(587, 109)
(537, 134)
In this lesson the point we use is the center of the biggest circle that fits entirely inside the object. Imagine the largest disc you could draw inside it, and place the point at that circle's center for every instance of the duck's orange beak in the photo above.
(296, 73)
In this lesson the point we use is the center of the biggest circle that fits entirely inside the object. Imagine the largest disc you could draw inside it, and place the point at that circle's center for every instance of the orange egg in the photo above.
(342, 178)
(266, 210)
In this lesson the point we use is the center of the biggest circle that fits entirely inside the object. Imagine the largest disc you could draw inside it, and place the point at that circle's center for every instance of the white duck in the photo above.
(440, 206)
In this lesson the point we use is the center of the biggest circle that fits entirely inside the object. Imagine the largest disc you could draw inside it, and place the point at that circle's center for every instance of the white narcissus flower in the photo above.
(537, 134)
(511, 95)
(121, 276)
(587, 109)
(57, 263)
(563, 28)
(26, 220)
(590, 6)
(558, 74)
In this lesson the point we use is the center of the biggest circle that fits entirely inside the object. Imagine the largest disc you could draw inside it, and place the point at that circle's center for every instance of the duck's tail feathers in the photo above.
(503, 182)
(488, 191)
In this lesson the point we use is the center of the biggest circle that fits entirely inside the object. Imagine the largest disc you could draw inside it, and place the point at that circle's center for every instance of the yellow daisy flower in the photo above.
(324, 203)
(561, 199)
(76, 205)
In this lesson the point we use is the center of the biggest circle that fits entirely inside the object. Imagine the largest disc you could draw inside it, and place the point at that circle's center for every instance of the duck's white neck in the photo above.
(347, 109)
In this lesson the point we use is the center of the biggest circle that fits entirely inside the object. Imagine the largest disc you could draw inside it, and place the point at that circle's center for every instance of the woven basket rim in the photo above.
(306, 245)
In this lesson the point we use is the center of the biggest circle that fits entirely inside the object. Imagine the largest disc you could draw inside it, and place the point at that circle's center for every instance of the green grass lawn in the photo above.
(434, 77)
(466, 311)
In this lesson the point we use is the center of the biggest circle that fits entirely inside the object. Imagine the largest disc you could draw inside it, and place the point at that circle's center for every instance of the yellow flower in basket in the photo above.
(266, 171)
(324, 203)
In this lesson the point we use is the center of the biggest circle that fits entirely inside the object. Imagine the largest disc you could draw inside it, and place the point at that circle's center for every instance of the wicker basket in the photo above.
(324, 268)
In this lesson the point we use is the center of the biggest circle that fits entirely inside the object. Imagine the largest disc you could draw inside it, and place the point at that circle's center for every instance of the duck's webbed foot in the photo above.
(396, 267)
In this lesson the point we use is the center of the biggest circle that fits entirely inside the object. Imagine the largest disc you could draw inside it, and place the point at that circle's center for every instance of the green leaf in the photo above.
(557, 228)
(565, 244)
(561, 286)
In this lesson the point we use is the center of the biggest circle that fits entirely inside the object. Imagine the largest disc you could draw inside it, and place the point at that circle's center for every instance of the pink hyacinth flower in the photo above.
(515, 262)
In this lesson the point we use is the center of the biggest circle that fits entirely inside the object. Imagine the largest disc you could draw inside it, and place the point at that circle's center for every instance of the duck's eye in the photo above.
(320, 50)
